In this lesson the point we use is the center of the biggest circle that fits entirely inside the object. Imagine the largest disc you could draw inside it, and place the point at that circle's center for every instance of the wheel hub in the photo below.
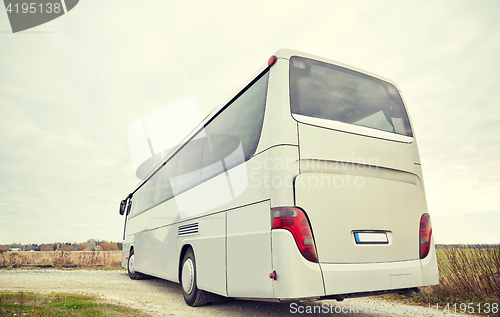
(188, 276)
(131, 264)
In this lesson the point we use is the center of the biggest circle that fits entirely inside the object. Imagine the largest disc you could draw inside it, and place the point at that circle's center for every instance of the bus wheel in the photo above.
(192, 295)
(131, 268)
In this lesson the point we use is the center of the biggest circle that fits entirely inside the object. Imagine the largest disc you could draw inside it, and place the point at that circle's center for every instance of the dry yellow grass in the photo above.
(466, 275)
(68, 259)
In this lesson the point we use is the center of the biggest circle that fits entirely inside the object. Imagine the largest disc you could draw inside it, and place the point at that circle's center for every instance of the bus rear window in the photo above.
(335, 93)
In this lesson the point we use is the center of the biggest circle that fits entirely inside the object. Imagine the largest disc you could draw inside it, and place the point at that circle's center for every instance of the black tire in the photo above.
(192, 295)
(133, 274)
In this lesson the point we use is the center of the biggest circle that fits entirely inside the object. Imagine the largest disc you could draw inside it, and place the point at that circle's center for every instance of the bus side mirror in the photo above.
(122, 207)
(128, 207)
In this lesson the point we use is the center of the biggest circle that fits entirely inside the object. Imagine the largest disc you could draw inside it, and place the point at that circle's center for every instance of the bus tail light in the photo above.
(295, 221)
(425, 235)
(272, 60)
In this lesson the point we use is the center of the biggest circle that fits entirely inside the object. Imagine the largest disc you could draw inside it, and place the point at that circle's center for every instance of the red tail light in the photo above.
(295, 221)
(271, 60)
(425, 235)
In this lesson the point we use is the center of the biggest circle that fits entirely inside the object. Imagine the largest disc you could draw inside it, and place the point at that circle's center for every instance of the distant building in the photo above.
(89, 247)
(15, 250)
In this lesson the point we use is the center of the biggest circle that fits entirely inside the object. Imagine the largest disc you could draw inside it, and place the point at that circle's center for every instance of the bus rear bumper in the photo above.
(298, 279)
(370, 277)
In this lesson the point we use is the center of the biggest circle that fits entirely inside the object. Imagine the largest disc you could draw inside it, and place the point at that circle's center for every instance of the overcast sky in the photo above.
(71, 88)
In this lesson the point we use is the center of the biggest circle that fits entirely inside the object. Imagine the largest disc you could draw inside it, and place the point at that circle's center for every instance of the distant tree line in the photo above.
(89, 245)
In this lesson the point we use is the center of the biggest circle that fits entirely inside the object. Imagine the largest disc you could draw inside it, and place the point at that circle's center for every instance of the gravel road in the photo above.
(162, 298)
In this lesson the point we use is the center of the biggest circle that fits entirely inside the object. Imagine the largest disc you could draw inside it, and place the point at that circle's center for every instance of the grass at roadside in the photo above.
(61, 259)
(465, 276)
(31, 304)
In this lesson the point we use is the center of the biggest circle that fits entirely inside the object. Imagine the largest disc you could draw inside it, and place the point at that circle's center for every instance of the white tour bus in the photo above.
(306, 184)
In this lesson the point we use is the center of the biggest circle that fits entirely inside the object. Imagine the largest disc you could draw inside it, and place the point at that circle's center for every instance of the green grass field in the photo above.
(50, 305)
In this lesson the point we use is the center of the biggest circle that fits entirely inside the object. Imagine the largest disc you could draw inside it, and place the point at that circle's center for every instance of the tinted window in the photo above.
(163, 188)
(332, 92)
(218, 148)
(229, 139)
(242, 119)
(184, 169)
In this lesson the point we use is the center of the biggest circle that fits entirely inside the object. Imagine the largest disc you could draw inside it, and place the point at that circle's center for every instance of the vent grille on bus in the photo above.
(191, 228)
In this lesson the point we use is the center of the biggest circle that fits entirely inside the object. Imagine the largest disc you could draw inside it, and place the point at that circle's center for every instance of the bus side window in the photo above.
(218, 148)
(229, 140)
(242, 119)
(188, 172)
(163, 189)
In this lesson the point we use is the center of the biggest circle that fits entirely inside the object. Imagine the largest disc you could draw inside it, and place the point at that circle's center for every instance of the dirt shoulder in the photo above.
(162, 298)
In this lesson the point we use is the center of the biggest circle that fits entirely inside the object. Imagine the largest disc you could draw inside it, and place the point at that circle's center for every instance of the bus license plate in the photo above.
(371, 238)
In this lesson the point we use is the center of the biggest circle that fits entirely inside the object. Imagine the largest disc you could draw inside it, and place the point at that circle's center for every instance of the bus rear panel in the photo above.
(359, 183)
